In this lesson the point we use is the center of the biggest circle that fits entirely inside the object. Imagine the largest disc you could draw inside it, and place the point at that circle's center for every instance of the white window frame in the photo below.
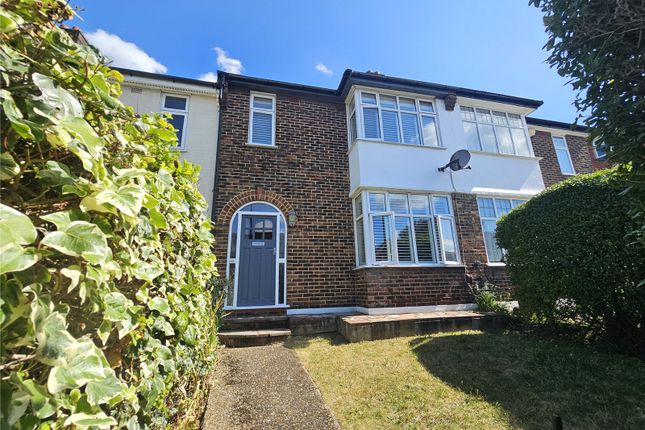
(280, 219)
(272, 112)
(497, 217)
(595, 145)
(435, 229)
(566, 149)
(477, 123)
(164, 109)
(358, 105)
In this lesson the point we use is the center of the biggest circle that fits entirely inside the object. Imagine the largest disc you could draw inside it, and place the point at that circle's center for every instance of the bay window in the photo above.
(405, 229)
(494, 131)
(490, 210)
(392, 118)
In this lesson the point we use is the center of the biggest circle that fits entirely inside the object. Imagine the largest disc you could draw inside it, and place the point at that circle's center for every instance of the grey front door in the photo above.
(256, 276)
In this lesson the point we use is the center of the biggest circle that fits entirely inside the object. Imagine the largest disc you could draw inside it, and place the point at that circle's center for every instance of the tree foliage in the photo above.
(569, 254)
(105, 255)
(600, 46)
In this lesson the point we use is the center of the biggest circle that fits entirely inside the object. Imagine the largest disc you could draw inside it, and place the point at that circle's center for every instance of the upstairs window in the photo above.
(564, 157)
(494, 131)
(177, 107)
(408, 229)
(600, 150)
(262, 120)
(392, 118)
(490, 210)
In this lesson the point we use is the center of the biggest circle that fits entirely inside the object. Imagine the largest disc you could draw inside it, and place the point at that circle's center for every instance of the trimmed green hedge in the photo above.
(570, 253)
(106, 269)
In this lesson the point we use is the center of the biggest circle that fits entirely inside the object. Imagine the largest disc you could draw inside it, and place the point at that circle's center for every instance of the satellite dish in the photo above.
(458, 161)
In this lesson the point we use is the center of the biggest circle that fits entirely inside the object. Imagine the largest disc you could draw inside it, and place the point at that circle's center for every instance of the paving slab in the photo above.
(264, 387)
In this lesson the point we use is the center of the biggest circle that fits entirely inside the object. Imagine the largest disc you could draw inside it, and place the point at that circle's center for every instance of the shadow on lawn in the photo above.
(535, 380)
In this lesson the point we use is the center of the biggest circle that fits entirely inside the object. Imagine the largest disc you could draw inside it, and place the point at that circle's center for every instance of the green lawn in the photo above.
(474, 380)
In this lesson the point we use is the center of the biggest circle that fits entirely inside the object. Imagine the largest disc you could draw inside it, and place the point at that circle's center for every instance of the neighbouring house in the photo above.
(194, 109)
(330, 200)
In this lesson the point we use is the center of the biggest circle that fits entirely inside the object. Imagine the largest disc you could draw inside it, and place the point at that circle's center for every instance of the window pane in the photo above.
(492, 250)
(429, 131)
(467, 113)
(171, 102)
(410, 128)
(426, 107)
(483, 115)
(516, 203)
(262, 128)
(390, 126)
(263, 103)
(358, 205)
(515, 120)
(407, 104)
(381, 232)
(403, 240)
(559, 142)
(521, 143)
(371, 123)
(503, 206)
(564, 160)
(360, 238)
(230, 284)
(448, 239)
(388, 102)
(259, 207)
(499, 118)
(472, 139)
(368, 99)
(377, 202)
(233, 243)
(488, 138)
(440, 205)
(419, 205)
(352, 127)
(423, 238)
(486, 208)
(504, 139)
(177, 121)
(399, 203)
(283, 239)
(281, 279)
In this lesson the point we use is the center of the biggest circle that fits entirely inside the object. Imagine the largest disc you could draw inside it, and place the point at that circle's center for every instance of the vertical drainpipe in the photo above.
(221, 103)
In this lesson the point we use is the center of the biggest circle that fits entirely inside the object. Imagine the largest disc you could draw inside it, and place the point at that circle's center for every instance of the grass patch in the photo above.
(474, 380)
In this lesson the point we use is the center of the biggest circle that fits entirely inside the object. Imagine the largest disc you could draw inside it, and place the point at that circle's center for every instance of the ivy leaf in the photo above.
(54, 341)
(157, 219)
(15, 258)
(146, 271)
(15, 117)
(80, 239)
(58, 101)
(42, 405)
(15, 227)
(99, 392)
(116, 306)
(83, 420)
(82, 130)
(104, 331)
(63, 219)
(88, 364)
(74, 275)
(127, 199)
(8, 166)
(160, 305)
(56, 174)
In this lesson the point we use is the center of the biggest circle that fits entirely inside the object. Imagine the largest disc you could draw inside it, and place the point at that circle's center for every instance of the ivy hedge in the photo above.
(107, 276)
(570, 253)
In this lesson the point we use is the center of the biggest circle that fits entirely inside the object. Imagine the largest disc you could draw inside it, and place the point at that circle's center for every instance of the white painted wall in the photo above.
(396, 166)
(201, 125)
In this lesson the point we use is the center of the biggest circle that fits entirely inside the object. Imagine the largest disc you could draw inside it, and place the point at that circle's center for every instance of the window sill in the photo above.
(499, 154)
(407, 145)
(410, 266)
(235, 308)
(496, 264)
(259, 145)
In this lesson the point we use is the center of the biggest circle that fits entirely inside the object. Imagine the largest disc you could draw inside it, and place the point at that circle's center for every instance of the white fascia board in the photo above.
(164, 85)
(559, 131)
(487, 104)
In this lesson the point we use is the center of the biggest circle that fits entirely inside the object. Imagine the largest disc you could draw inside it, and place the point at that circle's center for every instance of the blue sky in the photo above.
(487, 45)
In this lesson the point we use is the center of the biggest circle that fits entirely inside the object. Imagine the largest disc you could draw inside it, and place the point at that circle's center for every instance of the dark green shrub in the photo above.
(569, 252)
(106, 267)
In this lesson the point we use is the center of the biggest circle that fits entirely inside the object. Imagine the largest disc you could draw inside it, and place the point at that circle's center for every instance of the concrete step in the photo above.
(258, 322)
(243, 338)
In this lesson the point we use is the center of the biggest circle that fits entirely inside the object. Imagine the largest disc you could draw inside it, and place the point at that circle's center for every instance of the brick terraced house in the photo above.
(330, 200)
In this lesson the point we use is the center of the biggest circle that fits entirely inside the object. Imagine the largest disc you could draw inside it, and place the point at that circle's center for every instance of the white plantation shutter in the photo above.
(410, 126)
(390, 126)
(423, 237)
(262, 128)
(403, 239)
(381, 228)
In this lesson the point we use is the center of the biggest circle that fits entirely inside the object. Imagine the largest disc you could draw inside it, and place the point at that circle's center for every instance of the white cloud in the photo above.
(228, 64)
(124, 54)
(209, 77)
(324, 69)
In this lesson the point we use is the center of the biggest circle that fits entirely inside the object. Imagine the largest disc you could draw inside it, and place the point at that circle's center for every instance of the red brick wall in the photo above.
(551, 173)
(307, 171)
(596, 163)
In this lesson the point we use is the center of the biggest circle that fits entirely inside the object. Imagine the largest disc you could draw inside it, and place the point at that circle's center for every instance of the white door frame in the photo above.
(280, 220)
